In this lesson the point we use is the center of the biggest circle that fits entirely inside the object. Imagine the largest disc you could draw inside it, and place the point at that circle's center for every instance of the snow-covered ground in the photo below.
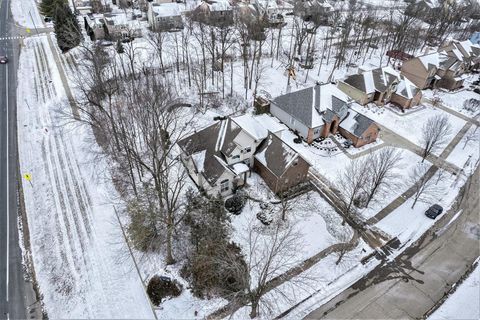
(409, 224)
(466, 153)
(455, 100)
(464, 303)
(408, 161)
(81, 259)
(410, 125)
(26, 14)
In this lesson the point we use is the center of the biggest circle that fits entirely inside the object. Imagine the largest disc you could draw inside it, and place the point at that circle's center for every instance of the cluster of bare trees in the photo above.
(134, 118)
(369, 178)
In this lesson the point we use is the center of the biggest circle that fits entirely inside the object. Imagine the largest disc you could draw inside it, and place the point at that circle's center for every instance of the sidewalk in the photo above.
(437, 162)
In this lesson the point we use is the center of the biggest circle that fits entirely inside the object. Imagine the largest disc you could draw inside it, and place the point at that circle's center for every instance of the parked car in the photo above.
(434, 211)
(3, 59)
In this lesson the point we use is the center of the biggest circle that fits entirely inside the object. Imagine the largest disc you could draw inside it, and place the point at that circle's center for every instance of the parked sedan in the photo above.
(434, 211)
(3, 59)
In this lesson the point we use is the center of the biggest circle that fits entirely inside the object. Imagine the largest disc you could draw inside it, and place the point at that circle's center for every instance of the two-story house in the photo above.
(213, 12)
(314, 112)
(219, 157)
(381, 86)
(164, 16)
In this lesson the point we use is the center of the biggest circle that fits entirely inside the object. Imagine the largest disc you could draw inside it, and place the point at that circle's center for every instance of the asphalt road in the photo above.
(12, 285)
(413, 283)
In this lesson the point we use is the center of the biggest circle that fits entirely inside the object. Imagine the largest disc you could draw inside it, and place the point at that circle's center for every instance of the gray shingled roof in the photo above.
(356, 123)
(208, 140)
(276, 155)
(298, 104)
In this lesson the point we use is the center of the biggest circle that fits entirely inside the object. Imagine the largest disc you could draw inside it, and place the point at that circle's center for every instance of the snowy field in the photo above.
(410, 126)
(467, 152)
(464, 303)
(409, 224)
(408, 161)
(455, 100)
(81, 259)
(26, 14)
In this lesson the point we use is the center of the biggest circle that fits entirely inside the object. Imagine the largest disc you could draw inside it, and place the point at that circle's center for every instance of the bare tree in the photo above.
(435, 133)
(269, 253)
(352, 183)
(471, 136)
(425, 188)
(382, 175)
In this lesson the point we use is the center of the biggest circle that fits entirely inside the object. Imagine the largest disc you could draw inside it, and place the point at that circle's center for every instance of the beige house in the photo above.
(381, 86)
(437, 69)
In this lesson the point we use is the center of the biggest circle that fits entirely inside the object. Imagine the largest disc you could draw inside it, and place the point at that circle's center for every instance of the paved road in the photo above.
(12, 284)
(415, 281)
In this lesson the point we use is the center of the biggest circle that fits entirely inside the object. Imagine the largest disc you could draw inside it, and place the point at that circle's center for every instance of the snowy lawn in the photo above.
(455, 100)
(464, 303)
(322, 282)
(81, 259)
(409, 126)
(409, 224)
(318, 223)
(467, 152)
(407, 163)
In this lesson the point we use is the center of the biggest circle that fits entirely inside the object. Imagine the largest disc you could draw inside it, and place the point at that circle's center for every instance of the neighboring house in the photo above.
(120, 26)
(381, 86)
(94, 25)
(164, 17)
(312, 112)
(279, 165)
(424, 9)
(219, 157)
(358, 128)
(435, 69)
(268, 9)
(313, 10)
(213, 12)
(464, 51)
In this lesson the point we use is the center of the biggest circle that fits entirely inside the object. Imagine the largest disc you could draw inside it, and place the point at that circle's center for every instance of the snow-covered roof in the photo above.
(240, 168)
(307, 105)
(219, 5)
(199, 160)
(378, 79)
(267, 4)
(166, 9)
(276, 155)
(251, 126)
(356, 123)
(270, 123)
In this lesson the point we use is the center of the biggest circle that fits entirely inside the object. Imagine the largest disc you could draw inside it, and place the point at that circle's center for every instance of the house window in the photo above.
(224, 186)
(248, 149)
(236, 156)
(316, 131)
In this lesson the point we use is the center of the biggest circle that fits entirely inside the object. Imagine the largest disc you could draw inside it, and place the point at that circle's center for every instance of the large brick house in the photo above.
(444, 68)
(279, 165)
(218, 158)
(313, 112)
(381, 86)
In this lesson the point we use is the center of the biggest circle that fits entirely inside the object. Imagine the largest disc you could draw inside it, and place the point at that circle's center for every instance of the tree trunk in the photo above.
(254, 311)
(169, 258)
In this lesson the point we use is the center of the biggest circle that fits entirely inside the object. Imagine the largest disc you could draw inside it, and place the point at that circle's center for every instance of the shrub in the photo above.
(160, 288)
(235, 204)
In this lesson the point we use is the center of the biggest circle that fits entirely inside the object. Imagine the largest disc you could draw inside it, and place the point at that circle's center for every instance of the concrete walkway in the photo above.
(437, 162)
(419, 278)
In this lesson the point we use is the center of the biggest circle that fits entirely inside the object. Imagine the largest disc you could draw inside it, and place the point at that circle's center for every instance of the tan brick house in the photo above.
(381, 86)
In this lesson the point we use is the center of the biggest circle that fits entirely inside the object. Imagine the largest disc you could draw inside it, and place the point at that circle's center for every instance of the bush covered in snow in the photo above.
(160, 288)
(235, 204)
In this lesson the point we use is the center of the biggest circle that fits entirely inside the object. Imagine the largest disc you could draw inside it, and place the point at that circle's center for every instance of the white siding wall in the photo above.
(287, 120)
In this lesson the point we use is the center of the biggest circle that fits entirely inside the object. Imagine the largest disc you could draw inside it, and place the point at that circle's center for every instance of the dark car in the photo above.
(434, 211)
(3, 59)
